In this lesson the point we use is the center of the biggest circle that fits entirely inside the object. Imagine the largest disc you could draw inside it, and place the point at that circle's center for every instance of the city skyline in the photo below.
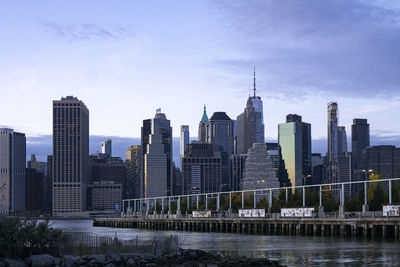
(106, 58)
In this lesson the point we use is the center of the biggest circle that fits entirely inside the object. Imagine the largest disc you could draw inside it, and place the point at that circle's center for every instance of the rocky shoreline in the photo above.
(184, 257)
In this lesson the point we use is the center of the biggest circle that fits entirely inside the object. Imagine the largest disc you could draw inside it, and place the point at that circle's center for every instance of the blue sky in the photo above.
(124, 59)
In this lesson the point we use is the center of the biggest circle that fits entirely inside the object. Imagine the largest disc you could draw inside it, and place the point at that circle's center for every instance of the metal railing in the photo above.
(145, 204)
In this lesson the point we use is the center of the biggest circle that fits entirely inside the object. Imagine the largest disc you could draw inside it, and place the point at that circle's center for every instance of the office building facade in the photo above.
(12, 170)
(70, 155)
(185, 136)
(133, 171)
(157, 136)
(219, 132)
(201, 169)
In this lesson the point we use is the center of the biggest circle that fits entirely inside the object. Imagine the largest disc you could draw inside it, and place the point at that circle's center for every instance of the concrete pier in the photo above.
(365, 227)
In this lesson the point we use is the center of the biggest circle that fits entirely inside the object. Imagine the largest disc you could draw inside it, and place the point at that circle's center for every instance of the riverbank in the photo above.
(184, 257)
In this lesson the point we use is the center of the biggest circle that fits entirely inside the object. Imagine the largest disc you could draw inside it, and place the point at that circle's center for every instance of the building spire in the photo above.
(204, 119)
(254, 81)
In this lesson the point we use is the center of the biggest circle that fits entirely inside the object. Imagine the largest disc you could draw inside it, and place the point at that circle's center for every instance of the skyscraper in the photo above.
(219, 132)
(202, 126)
(106, 148)
(294, 139)
(201, 169)
(12, 170)
(70, 155)
(383, 160)
(250, 124)
(333, 118)
(359, 140)
(342, 140)
(133, 170)
(184, 139)
(156, 142)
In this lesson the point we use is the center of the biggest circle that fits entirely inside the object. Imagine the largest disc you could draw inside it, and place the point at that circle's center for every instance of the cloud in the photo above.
(84, 31)
(338, 48)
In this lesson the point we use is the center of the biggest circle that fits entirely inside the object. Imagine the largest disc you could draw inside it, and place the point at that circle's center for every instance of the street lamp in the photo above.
(366, 173)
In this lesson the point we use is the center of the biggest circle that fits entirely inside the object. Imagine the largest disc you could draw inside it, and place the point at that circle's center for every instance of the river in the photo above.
(288, 250)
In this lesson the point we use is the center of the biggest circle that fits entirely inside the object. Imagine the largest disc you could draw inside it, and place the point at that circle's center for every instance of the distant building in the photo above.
(333, 120)
(34, 190)
(106, 148)
(250, 124)
(12, 170)
(156, 157)
(237, 165)
(70, 155)
(106, 195)
(219, 132)
(37, 165)
(383, 160)
(201, 169)
(184, 139)
(48, 186)
(294, 139)
(202, 126)
(360, 140)
(178, 180)
(278, 163)
(133, 170)
(345, 173)
(259, 172)
(342, 140)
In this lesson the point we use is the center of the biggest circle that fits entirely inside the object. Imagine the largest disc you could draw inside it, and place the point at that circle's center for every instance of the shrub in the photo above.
(23, 238)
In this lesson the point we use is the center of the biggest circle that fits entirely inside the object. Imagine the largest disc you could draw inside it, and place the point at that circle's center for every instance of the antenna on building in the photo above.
(254, 81)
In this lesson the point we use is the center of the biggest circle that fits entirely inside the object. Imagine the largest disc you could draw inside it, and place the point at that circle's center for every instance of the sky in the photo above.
(125, 59)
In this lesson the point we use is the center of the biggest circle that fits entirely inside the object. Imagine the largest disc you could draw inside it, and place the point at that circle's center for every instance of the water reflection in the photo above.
(288, 250)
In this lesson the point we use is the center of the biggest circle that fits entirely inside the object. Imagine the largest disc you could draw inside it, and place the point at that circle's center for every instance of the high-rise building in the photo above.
(333, 119)
(278, 163)
(383, 160)
(157, 145)
(178, 180)
(342, 140)
(345, 173)
(184, 139)
(12, 170)
(202, 126)
(106, 195)
(133, 169)
(48, 186)
(202, 170)
(34, 190)
(70, 155)
(237, 165)
(106, 148)
(359, 140)
(219, 132)
(259, 171)
(250, 124)
(294, 139)
(37, 165)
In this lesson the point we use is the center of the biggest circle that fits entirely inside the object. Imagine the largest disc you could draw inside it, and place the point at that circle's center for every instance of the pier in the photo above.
(354, 227)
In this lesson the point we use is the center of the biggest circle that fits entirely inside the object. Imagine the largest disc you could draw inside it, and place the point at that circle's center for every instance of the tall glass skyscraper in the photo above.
(294, 139)
(70, 155)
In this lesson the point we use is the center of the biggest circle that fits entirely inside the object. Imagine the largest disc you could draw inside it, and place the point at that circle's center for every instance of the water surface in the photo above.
(288, 250)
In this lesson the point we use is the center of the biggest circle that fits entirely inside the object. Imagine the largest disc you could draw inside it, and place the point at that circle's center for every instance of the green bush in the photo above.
(23, 238)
